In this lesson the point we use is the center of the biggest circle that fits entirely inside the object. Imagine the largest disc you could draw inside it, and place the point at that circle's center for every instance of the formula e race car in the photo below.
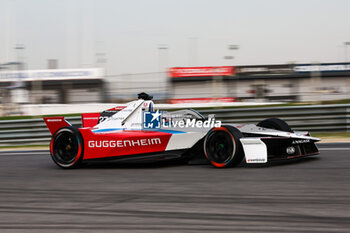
(135, 131)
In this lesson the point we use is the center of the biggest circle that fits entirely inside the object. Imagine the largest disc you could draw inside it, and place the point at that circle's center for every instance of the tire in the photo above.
(222, 146)
(67, 147)
(275, 123)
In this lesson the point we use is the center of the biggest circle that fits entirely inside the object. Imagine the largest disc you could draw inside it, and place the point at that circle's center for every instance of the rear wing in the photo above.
(55, 123)
(89, 119)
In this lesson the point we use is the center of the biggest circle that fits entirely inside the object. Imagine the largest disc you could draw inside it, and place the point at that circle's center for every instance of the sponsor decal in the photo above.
(117, 108)
(90, 118)
(301, 141)
(54, 120)
(290, 150)
(124, 143)
(256, 160)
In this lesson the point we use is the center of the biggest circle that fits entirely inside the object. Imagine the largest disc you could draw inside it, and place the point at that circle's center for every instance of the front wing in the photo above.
(261, 150)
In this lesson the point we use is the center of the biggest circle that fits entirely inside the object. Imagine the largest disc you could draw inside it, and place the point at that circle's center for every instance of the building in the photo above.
(278, 82)
(53, 86)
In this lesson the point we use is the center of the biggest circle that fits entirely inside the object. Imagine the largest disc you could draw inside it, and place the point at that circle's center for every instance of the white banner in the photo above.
(53, 74)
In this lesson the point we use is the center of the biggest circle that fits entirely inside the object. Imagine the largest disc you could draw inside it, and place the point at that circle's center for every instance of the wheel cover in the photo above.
(66, 148)
(220, 147)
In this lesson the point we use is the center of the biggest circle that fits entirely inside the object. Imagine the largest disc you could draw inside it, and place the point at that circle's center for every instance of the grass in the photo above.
(36, 116)
(24, 146)
(331, 135)
(344, 101)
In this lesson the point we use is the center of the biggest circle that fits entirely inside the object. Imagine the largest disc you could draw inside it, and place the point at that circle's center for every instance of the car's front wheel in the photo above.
(222, 146)
(67, 147)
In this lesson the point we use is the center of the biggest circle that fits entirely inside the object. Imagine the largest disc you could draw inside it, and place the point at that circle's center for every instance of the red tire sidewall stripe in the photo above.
(79, 153)
(205, 151)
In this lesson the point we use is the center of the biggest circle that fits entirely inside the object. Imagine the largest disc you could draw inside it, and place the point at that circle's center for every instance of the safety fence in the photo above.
(313, 118)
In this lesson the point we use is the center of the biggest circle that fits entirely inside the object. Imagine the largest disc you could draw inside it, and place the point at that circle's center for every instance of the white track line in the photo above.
(333, 148)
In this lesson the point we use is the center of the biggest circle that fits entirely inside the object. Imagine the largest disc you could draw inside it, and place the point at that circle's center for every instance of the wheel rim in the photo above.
(220, 147)
(65, 148)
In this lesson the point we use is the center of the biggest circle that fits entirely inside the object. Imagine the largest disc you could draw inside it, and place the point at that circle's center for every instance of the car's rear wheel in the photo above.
(275, 123)
(222, 146)
(67, 147)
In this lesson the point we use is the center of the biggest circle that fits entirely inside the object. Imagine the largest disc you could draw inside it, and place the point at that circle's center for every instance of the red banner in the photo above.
(204, 100)
(201, 71)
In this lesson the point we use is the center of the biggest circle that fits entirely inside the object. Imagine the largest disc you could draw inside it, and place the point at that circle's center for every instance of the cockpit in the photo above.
(182, 115)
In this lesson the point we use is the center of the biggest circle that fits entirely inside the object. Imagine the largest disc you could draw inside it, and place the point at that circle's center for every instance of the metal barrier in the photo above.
(28, 131)
(313, 118)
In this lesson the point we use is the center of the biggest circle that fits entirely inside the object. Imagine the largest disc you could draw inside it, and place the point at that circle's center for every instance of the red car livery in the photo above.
(136, 131)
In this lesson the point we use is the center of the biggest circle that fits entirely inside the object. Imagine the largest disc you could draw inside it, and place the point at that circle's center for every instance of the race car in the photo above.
(136, 131)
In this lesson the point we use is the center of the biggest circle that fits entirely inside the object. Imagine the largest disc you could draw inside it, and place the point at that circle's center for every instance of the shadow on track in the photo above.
(133, 164)
(182, 162)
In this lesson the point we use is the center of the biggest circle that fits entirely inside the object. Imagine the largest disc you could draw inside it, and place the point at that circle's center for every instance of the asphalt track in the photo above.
(309, 195)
